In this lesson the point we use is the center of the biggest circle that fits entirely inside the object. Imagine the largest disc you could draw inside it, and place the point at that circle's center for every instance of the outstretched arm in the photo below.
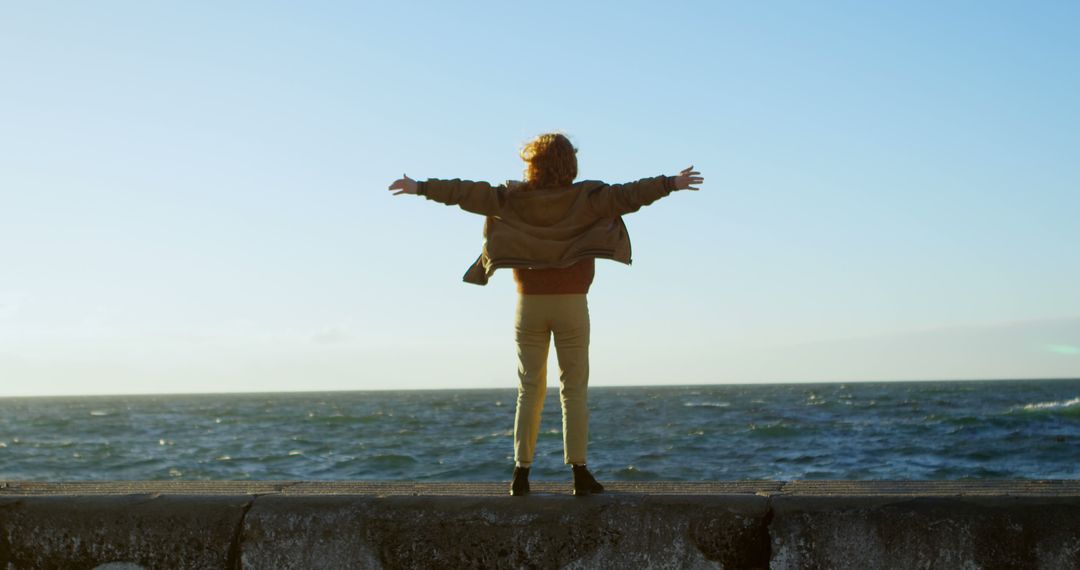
(619, 199)
(476, 197)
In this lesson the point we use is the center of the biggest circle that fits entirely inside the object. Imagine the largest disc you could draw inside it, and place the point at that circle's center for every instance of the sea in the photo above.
(1003, 429)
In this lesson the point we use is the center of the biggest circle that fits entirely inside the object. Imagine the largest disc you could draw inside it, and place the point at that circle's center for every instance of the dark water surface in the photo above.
(1027, 429)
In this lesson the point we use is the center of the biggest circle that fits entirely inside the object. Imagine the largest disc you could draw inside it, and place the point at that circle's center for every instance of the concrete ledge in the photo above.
(374, 488)
(490, 532)
(738, 524)
(150, 531)
(925, 532)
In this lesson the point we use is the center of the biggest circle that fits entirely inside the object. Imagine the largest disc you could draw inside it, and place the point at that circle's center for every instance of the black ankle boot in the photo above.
(584, 483)
(519, 485)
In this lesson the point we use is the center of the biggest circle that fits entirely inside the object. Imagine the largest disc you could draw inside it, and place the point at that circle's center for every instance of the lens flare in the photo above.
(1063, 349)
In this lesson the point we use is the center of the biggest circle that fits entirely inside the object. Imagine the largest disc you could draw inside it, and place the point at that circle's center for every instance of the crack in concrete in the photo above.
(767, 520)
(234, 560)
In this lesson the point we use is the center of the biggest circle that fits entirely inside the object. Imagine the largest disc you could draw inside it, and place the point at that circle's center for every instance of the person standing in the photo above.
(550, 230)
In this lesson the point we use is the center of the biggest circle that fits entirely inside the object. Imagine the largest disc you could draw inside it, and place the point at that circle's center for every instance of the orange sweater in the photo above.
(574, 279)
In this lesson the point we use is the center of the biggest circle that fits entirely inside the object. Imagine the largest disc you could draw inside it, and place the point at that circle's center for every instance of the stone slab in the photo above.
(128, 525)
(1018, 488)
(151, 531)
(959, 488)
(860, 532)
(380, 488)
(601, 531)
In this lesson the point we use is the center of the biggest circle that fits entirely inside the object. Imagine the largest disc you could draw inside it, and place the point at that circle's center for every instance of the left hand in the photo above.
(404, 185)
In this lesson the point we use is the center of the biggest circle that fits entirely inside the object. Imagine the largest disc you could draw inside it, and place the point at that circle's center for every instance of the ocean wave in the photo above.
(632, 473)
(391, 460)
(1072, 405)
(964, 420)
(773, 430)
(706, 404)
(343, 419)
(1023, 429)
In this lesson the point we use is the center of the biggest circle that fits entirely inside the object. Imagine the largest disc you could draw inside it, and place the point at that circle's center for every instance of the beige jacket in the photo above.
(549, 227)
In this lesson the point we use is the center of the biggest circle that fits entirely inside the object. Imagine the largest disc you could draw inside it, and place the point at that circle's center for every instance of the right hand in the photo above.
(687, 177)
(404, 185)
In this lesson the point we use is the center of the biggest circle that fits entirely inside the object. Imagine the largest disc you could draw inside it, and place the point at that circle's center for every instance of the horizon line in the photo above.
(551, 388)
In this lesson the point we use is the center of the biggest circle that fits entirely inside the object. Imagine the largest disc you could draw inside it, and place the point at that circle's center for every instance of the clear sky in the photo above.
(193, 194)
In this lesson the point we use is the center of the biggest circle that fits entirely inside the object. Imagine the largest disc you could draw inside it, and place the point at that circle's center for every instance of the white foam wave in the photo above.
(1052, 405)
(706, 404)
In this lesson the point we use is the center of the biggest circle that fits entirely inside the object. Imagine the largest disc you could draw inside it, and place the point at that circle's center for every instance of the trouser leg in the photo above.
(533, 338)
(571, 329)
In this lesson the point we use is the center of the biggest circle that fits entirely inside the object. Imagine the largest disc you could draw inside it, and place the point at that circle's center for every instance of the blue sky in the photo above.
(192, 195)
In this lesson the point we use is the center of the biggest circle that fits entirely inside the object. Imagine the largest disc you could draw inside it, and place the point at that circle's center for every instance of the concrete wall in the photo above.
(129, 525)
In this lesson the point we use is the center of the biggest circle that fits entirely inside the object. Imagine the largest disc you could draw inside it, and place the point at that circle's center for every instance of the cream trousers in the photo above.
(538, 317)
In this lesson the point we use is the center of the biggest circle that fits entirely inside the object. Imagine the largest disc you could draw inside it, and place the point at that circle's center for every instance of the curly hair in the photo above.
(551, 161)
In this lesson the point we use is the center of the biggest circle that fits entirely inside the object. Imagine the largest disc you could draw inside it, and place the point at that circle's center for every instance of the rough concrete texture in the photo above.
(504, 532)
(308, 532)
(738, 524)
(153, 531)
(925, 532)
(375, 488)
